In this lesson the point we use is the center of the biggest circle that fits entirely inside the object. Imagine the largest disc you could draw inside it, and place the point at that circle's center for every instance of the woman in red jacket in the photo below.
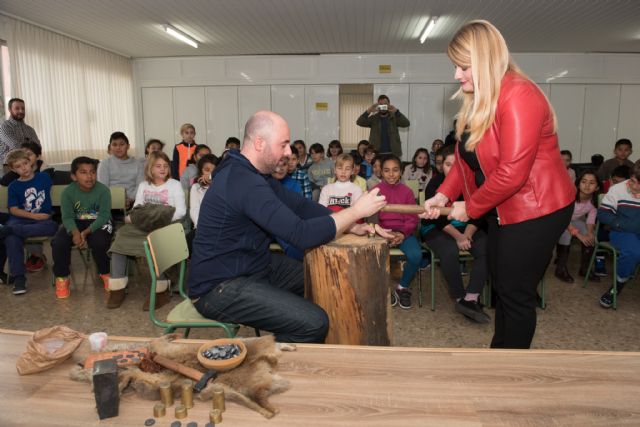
(509, 170)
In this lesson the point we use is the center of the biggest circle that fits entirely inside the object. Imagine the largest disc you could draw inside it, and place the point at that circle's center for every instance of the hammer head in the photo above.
(202, 382)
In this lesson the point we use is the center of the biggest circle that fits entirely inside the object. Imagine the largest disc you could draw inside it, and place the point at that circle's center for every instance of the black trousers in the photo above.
(99, 242)
(518, 257)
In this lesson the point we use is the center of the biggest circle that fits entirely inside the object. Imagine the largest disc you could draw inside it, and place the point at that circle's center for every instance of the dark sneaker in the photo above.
(404, 297)
(606, 300)
(600, 269)
(19, 285)
(472, 310)
(35, 263)
(394, 299)
(425, 263)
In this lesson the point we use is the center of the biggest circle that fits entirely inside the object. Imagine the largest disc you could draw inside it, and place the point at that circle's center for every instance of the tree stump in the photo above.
(349, 279)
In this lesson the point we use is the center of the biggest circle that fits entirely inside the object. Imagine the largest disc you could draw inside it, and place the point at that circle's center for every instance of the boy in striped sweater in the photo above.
(620, 210)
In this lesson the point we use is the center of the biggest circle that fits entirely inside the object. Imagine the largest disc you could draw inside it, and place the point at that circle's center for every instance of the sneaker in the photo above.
(394, 299)
(472, 310)
(600, 269)
(606, 300)
(35, 263)
(425, 263)
(404, 297)
(63, 287)
(19, 285)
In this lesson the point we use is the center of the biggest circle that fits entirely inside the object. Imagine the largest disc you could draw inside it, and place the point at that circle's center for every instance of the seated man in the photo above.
(233, 276)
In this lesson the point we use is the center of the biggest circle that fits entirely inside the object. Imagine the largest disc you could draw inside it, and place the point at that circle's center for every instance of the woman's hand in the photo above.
(459, 212)
(431, 206)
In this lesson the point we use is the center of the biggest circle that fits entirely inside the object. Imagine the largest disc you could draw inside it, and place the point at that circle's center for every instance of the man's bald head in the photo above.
(266, 140)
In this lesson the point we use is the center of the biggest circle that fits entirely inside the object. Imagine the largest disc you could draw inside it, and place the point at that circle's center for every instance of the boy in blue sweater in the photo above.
(30, 213)
(620, 210)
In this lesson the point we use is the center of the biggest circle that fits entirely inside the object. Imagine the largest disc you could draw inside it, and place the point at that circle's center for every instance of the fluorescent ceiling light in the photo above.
(181, 36)
(428, 28)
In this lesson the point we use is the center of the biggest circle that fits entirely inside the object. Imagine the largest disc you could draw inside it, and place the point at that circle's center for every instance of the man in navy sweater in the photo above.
(234, 277)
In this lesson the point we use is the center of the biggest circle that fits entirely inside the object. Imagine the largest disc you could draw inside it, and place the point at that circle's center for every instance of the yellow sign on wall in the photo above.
(384, 68)
(322, 106)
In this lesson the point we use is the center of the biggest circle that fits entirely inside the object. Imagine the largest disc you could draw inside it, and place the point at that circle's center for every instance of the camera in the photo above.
(383, 107)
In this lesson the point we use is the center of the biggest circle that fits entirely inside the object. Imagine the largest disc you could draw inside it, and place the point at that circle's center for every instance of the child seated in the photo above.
(30, 213)
(119, 169)
(320, 171)
(298, 174)
(447, 238)
(401, 226)
(86, 221)
(157, 189)
(367, 168)
(206, 165)
(419, 169)
(621, 152)
(582, 226)
(619, 210)
(567, 158)
(188, 176)
(376, 173)
(344, 192)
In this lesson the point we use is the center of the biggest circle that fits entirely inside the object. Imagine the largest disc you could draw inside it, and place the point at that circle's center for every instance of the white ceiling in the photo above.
(275, 27)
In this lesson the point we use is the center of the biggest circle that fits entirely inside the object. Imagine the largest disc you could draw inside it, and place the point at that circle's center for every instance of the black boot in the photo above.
(586, 253)
(562, 273)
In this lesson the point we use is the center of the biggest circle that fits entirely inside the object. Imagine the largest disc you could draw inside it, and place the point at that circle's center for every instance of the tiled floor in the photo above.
(573, 319)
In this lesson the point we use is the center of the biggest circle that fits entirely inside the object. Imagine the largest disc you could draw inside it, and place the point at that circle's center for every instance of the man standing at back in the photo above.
(234, 278)
(384, 120)
(14, 131)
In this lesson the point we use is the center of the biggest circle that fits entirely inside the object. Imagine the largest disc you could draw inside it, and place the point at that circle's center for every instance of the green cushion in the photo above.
(186, 312)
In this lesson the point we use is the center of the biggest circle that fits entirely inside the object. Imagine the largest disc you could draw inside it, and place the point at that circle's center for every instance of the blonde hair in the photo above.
(18, 154)
(152, 158)
(479, 45)
(345, 158)
(186, 126)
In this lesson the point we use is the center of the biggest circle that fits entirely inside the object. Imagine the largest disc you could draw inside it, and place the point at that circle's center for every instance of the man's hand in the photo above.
(362, 229)
(392, 109)
(369, 203)
(373, 108)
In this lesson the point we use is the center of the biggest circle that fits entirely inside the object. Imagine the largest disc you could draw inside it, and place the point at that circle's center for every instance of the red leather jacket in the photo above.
(520, 159)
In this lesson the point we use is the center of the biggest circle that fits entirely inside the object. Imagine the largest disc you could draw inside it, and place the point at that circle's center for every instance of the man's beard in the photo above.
(19, 117)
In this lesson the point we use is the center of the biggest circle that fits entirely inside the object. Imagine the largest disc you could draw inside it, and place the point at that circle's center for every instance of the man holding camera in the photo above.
(384, 120)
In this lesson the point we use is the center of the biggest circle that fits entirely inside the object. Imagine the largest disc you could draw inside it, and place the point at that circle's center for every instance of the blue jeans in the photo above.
(629, 246)
(23, 228)
(413, 254)
(271, 300)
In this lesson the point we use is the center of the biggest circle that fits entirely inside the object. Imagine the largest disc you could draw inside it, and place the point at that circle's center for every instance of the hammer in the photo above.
(201, 380)
(412, 209)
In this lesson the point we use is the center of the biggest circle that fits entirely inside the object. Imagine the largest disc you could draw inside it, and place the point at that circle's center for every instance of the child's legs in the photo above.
(99, 241)
(61, 250)
(565, 238)
(413, 254)
(118, 265)
(32, 228)
(445, 248)
(629, 246)
(14, 245)
(479, 265)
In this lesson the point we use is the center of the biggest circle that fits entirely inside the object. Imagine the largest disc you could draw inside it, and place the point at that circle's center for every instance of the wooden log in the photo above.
(349, 279)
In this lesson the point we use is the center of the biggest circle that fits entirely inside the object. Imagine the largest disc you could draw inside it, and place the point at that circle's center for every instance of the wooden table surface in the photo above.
(371, 386)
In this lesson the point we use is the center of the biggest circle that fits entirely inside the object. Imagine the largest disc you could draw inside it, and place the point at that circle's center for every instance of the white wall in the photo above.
(596, 96)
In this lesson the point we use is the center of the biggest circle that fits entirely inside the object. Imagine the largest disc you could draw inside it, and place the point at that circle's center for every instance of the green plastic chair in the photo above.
(165, 248)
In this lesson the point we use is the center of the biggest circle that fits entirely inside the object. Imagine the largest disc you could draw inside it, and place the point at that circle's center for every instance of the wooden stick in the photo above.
(412, 209)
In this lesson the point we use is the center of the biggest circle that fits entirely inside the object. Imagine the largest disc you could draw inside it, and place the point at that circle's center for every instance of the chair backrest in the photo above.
(118, 198)
(414, 185)
(4, 199)
(168, 247)
(56, 195)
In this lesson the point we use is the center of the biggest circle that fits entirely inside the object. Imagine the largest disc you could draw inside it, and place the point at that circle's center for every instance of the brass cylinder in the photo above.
(159, 410)
(215, 416)
(187, 394)
(218, 400)
(181, 412)
(166, 394)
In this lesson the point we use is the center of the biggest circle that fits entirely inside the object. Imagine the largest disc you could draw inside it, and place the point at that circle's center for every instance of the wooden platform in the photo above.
(372, 386)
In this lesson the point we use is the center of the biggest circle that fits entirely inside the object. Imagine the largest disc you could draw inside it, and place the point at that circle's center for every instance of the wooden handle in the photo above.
(411, 209)
(194, 374)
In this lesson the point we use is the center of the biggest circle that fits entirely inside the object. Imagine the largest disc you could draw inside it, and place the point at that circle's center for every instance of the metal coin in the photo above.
(176, 424)
(149, 422)
(192, 424)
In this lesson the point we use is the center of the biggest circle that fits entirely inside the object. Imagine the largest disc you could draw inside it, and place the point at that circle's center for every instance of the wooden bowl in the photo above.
(226, 364)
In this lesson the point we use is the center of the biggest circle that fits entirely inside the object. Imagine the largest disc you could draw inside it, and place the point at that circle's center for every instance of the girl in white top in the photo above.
(206, 166)
(419, 169)
(343, 192)
(159, 188)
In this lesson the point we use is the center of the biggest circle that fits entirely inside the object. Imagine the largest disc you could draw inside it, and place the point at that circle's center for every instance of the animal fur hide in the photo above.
(250, 384)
